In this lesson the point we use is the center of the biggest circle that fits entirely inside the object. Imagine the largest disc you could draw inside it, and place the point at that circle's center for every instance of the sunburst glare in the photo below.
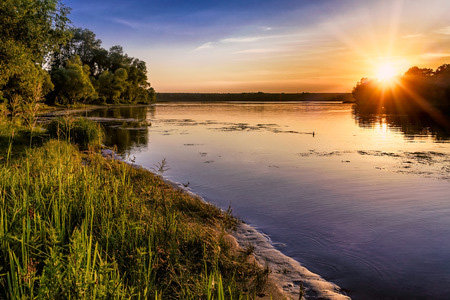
(386, 72)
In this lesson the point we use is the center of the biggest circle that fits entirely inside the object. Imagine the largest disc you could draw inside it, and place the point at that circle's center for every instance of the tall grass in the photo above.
(76, 225)
(80, 131)
(16, 137)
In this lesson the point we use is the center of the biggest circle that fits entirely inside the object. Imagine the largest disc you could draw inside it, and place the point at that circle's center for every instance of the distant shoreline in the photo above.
(253, 97)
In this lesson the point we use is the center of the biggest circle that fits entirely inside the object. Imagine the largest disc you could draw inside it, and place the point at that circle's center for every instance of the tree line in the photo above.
(44, 58)
(418, 90)
(259, 96)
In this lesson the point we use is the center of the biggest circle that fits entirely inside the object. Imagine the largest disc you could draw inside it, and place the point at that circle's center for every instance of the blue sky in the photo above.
(270, 46)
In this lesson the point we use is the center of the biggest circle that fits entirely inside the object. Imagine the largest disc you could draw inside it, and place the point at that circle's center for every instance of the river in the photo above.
(362, 200)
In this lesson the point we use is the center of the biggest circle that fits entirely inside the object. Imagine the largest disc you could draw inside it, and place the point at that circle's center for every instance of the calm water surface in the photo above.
(364, 201)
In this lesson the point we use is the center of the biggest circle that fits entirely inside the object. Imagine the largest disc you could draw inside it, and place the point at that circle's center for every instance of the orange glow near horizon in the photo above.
(378, 39)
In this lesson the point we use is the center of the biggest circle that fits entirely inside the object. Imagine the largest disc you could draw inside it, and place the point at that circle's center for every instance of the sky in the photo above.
(270, 45)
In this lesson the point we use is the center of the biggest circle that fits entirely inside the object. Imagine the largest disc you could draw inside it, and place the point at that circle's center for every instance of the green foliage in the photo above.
(29, 31)
(83, 227)
(116, 77)
(34, 35)
(84, 44)
(110, 86)
(72, 82)
(15, 137)
(81, 131)
(3, 110)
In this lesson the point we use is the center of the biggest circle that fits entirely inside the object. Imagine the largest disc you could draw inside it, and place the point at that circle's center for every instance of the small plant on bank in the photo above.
(160, 168)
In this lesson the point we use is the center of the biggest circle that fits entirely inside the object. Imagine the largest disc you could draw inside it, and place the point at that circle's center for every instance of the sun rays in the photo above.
(386, 72)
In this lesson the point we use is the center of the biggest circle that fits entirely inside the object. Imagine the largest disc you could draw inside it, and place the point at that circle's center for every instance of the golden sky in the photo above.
(276, 46)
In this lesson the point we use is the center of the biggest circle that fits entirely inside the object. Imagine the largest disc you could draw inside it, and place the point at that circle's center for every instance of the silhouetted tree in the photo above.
(419, 89)
(419, 72)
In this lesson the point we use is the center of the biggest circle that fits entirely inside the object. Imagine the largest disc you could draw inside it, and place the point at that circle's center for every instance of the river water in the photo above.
(362, 200)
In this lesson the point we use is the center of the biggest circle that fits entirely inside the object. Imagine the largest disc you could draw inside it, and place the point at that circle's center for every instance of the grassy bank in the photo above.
(76, 225)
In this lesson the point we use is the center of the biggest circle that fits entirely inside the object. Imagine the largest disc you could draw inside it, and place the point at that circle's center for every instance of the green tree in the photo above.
(138, 90)
(30, 31)
(116, 77)
(112, 85)
(118, 59)
(72, 82)
(84, 44)
(103, 86)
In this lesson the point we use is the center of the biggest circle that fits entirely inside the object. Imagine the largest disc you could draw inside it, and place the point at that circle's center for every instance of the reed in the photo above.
(80, 131)
(76, 225)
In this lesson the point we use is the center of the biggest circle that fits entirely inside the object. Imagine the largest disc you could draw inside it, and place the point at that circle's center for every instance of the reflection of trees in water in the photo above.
(411, 125)
(125, 134)
(125, 112)
(124, 139)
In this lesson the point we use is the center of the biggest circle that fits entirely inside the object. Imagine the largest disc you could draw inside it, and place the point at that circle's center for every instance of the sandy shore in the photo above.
(286, 273)
(287, 277)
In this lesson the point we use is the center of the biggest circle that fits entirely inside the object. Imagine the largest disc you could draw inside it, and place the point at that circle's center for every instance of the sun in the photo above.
(386, 72)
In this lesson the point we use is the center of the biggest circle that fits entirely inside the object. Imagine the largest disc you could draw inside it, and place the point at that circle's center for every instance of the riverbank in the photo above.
(286, 273)
(75, 225)
(287, 278)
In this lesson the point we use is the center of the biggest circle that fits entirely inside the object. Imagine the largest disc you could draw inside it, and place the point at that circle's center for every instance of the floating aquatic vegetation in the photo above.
(323, 153)
(425, 163)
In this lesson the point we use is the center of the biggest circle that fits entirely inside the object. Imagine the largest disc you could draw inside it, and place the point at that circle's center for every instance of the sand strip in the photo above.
(287, 277)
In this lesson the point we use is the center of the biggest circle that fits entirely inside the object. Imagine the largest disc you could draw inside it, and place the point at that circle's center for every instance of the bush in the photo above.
(80, 131)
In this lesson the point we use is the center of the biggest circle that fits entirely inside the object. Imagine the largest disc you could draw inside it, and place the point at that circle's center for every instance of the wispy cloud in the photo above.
(256, 42)
(436, 54)
(445, 30)
(238, 40)
(205, 46)
(412, 36)
(130, 24)
(249, 39)
(256, 51)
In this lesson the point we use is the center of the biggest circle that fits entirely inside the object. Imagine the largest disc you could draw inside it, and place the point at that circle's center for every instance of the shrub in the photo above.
(80, 131)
